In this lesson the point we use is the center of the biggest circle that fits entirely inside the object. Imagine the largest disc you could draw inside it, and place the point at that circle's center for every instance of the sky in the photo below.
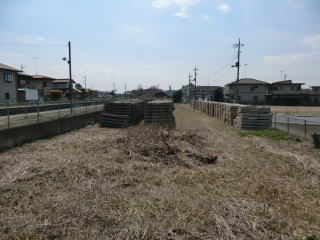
(159, 42)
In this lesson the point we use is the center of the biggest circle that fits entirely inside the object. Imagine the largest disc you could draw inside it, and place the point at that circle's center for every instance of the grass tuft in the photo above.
(272, 134)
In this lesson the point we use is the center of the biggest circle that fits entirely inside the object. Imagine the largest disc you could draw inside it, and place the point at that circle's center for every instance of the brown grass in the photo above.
(296, 110)
(151, 183)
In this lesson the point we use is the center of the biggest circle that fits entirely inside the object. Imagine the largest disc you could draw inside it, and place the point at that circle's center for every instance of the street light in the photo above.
(70, 78)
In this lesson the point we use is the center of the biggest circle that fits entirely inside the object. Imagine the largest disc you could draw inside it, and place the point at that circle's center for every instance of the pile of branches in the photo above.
(159, 145)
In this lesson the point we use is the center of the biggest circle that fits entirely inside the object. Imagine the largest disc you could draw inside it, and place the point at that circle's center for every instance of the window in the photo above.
(8, 77)
(251, 88)
(239, 98)
(44, 84)
(7, 96)
(255, 98)
(275, 88)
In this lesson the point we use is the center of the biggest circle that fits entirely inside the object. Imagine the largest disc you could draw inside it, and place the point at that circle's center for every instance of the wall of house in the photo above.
(39, 84)
(283, 89)
(8, 87)
(248, 93)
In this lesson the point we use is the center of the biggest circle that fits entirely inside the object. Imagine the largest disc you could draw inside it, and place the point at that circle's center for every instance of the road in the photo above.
(31, 118)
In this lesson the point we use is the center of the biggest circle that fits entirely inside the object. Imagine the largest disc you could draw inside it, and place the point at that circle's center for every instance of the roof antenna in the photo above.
(36, 64)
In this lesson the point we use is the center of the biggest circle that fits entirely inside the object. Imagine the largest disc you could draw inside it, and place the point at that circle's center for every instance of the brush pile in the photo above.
(160, 145)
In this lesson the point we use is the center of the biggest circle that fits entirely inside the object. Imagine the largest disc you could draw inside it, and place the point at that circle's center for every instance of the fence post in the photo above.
(275, 121)
(8, 114)
(288, 124)
(38, 113)
(305, 129)
(59, 110)
(86, 103)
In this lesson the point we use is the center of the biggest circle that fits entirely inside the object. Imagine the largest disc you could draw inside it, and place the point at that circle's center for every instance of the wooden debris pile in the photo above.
(240, 116)
(122, 114)
(159, 112)
(253, 118)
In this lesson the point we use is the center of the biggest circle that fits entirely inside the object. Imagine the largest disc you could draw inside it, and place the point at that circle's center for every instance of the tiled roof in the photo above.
(249, 81)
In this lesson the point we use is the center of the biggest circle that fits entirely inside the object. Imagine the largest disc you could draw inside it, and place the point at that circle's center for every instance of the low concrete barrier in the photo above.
(12, 137)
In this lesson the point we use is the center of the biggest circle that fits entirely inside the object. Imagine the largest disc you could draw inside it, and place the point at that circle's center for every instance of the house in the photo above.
(160, 94)
(288, 93)
(205, 92)
(62, 84)
(42, 83)
(200, 92)
(251, 91)
(8, 83)
(315, 92)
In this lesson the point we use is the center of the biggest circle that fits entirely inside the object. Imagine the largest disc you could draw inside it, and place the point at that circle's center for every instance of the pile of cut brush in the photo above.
(160, 145)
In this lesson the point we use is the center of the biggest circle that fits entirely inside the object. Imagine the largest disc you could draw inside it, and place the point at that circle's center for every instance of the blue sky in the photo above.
(158, 42)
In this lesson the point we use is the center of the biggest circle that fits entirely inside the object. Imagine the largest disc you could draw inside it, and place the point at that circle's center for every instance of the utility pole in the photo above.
(85, 86)
(22, 68)
(195, 82)
(190, 79)
(237, 65)
(70, 73)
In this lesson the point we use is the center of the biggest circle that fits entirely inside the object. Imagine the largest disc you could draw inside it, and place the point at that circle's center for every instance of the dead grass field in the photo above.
(296, 110)
(147, 183)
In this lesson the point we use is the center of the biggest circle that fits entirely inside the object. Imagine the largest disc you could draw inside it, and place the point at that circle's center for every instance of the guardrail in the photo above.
(16, 116)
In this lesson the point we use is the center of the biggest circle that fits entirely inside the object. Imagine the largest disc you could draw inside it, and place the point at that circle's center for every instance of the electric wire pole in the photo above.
(70, 74)
(195, 82)
(237, 65)
(190, 79)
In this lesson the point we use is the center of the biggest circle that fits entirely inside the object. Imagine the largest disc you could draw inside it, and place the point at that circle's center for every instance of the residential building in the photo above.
(8, 83)
(200, 92)
(251, 91)
(62, 84)
(42, 83)
(288, 93)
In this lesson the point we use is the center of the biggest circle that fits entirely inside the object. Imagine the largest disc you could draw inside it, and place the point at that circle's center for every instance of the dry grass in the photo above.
(150, 183)
(296, 110)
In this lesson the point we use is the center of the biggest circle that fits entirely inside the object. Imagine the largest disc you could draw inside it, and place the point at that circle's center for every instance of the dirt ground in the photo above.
(296, 110)
(200, 181)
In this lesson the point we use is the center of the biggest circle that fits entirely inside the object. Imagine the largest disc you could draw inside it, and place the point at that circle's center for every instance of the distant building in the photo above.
(160, 94)
(8, 83)
(288, 93)
(251, 91)
(201, 92)
(62, 84)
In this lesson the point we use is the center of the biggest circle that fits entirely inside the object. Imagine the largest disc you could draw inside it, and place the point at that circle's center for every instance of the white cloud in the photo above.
(286, 59)
(40, 38)
(312, 41)
(224, 8)
(183, 4)
(297, 3)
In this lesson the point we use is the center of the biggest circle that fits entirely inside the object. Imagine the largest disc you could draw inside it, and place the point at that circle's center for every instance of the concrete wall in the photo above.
(10, 138)
(8, 87)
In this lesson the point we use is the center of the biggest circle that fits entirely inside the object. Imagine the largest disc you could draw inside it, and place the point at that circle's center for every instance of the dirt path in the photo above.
(147, 183)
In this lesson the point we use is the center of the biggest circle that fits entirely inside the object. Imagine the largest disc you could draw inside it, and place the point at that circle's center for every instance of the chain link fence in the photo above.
(302, 126)
(17, 115)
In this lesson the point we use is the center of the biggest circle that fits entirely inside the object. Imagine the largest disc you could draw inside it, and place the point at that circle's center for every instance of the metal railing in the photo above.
(18, 115)
(302, 126)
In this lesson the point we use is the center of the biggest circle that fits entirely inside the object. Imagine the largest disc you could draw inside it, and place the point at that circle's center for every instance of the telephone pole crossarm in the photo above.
(237, 65)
